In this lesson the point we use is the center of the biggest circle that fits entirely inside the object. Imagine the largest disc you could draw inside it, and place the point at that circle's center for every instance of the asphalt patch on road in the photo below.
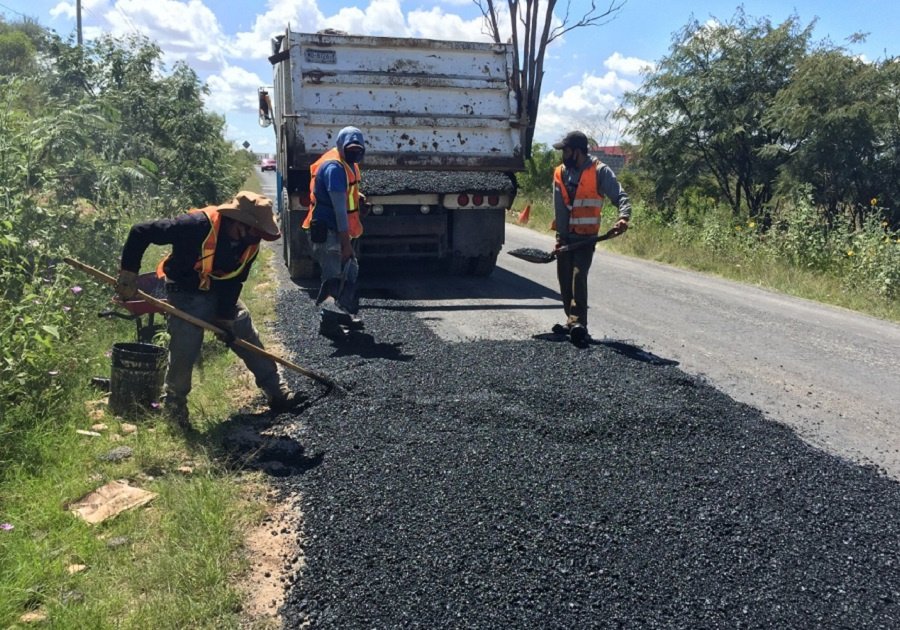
(525, 484)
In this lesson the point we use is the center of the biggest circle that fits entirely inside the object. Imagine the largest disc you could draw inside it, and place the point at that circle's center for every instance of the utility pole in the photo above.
(78, 20)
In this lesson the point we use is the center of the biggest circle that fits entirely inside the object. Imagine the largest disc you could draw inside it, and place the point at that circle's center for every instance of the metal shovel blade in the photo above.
(533, 255)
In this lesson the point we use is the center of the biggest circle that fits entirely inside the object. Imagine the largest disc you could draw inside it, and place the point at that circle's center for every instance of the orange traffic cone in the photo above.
(523, 216)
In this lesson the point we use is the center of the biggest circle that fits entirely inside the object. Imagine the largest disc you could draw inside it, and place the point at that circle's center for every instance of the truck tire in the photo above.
(459, 265)
(479, 266)
(300, 265)
(302, 268)
(482, 266)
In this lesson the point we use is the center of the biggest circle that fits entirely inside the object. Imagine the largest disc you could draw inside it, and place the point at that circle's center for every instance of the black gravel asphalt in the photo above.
(530, 484)
(375, 182)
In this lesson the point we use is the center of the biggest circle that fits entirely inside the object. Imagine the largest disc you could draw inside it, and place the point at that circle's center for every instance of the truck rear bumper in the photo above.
(397, 236)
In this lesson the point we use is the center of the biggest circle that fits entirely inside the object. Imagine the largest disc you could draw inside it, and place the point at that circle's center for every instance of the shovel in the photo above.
(171, 310)
(538, 256)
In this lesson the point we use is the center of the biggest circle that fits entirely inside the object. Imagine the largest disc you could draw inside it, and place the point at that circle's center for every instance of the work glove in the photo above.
(126, 285)
(364, 206)
(227, 335)
(621, 226)
(560, 242)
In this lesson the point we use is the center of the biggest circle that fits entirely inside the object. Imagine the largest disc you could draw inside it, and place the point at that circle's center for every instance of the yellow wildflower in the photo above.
(850, 252)
(874, 201)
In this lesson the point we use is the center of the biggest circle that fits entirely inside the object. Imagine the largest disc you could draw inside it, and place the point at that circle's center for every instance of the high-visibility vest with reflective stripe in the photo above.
(587, 206)
(204, 264)
(353, 221)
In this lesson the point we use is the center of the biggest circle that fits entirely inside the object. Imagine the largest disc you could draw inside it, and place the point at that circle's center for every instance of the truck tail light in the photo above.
(305, 201)
(477, 200)
(494, 200)
(462, 200)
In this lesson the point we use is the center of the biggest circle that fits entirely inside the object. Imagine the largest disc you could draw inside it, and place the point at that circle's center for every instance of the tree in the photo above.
(701, 112)
(533, 28)
(828, 113)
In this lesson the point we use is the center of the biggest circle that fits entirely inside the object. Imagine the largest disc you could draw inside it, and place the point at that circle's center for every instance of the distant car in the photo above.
(267, 164)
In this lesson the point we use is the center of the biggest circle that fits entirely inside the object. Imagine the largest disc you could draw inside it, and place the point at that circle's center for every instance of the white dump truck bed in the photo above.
(422, 104)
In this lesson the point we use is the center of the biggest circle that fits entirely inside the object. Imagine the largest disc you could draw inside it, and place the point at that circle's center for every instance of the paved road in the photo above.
(830, 374)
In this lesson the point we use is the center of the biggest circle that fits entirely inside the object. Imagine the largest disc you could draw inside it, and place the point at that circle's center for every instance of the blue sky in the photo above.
(586, 71)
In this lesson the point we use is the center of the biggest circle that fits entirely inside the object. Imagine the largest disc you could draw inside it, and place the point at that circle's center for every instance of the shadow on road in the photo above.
(426, 280)
(256, 441)
(620, 347)
(364, 345)
(633, 352)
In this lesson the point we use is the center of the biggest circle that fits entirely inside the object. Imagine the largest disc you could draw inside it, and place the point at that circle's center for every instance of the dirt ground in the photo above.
(273, 553)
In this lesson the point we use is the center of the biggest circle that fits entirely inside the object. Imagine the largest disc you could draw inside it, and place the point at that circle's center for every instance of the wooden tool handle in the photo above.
(171, 310)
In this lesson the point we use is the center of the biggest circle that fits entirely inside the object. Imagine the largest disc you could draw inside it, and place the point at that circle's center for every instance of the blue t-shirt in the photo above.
(331, 178)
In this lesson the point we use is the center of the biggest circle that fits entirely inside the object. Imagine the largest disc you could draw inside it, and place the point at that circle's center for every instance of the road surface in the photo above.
(830, 374)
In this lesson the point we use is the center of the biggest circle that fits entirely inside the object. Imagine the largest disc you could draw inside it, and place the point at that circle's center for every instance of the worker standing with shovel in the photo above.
(334, 222)
(580, 185)
(213, 249)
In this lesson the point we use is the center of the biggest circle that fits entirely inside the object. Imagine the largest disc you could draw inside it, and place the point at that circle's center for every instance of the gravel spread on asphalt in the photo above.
(375, 182)
(530, 484)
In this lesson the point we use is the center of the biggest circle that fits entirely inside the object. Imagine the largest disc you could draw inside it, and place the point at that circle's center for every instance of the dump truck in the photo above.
(443, 141)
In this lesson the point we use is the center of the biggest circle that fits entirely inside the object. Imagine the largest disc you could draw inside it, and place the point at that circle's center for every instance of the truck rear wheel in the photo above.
(459, 265)
(473, 265)
(302, 268)
(483, 265)
(300, 265)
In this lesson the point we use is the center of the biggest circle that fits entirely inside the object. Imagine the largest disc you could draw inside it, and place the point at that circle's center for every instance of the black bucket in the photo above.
(136, 380)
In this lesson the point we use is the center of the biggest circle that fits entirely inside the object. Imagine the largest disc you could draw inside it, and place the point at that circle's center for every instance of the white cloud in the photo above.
(588, 105)
(233, 89)
(185, 31)
(67, 9)
(301, 15)
(436, 24)
(381, 17)
(631, 66)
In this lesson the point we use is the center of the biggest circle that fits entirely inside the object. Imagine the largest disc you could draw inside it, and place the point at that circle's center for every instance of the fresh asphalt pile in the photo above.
(375, 182)
(530, 484)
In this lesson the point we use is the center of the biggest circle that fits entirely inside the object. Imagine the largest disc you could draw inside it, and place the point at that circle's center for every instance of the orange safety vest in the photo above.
(353, 221)
(586, 208)
(204, 264)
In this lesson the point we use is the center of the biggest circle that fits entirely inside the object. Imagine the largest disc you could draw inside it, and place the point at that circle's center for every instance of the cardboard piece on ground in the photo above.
(109, 500)
(35, 616)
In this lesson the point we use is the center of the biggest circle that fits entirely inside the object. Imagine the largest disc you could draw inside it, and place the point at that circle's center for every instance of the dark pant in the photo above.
(572, 269)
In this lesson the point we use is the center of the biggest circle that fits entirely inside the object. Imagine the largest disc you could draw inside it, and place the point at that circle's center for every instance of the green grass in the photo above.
(182, 553)
(650, 241)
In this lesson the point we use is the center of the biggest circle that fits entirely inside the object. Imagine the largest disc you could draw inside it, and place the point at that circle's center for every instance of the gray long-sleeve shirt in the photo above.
(607, 184)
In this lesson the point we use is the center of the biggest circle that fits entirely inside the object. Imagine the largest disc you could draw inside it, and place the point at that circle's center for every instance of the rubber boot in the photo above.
(579, 336)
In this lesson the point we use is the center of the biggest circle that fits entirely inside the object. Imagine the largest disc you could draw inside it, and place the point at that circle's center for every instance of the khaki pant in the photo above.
(187, 340)
(572, 269)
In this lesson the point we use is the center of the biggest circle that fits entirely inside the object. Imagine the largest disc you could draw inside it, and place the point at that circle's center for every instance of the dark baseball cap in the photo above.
(574, 139)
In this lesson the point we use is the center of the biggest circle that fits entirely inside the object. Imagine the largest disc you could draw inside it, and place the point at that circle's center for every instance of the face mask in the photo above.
(352, 157)
(571, 162)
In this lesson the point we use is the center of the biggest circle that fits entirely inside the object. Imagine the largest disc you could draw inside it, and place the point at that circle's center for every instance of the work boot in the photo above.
(356, 323)
(560, 329)
(176, 410)
(579, 336)
(285, 399)
(335, 332)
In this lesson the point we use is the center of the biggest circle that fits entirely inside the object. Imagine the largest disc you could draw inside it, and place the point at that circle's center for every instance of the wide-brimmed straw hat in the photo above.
(254, 210)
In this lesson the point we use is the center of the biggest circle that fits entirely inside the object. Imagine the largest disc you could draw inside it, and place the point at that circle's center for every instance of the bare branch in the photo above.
(590, 18)
(490, 19)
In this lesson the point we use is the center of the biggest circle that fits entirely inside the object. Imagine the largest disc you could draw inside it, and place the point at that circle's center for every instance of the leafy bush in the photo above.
(873, 259)
(99, 138)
